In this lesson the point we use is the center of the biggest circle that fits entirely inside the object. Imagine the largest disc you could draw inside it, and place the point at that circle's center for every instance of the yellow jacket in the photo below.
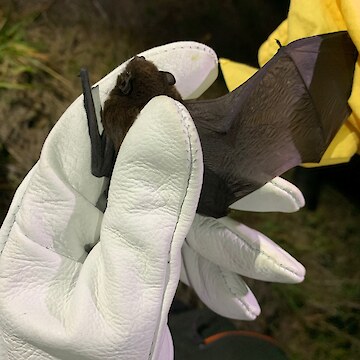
(307, 18)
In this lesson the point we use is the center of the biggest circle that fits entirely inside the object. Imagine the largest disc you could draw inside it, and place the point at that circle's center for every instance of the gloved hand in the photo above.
(57, 302)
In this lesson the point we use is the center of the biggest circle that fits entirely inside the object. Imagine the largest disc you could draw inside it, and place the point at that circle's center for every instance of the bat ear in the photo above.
(125, 85)
(170, 78)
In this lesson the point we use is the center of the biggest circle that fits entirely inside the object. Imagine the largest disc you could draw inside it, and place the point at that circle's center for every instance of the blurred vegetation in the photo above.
(19, 60)
(44, 43)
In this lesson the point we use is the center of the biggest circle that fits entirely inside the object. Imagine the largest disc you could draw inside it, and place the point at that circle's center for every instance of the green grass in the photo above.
(20, 58)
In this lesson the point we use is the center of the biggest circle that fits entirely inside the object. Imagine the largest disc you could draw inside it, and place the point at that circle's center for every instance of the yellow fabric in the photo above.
(307, 18)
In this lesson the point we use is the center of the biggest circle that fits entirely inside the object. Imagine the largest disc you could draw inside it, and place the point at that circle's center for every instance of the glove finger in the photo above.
(194, 66)
(276, 195)
(153, 196)
(222, 291)
(243, 250)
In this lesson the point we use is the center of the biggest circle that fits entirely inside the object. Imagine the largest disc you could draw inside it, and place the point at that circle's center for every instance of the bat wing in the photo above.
(286, 114)
(102, 149)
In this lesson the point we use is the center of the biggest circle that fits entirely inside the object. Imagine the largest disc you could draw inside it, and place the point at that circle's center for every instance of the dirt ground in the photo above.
(318, 319)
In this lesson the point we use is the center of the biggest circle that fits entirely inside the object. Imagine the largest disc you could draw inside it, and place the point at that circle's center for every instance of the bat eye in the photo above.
(125, 85)
(170, 78)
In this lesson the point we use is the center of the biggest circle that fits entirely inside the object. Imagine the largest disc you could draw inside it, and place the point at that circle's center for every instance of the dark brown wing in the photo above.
(286, 114)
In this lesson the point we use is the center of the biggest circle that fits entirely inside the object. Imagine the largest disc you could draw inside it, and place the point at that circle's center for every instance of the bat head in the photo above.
(142, 80)
(135, 87)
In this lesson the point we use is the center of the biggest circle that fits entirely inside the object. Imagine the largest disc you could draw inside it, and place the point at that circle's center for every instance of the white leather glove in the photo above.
(57, 302)
(218, 251)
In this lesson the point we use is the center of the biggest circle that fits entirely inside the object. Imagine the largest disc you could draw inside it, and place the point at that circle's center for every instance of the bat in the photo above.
(135, 87)
(287, 113)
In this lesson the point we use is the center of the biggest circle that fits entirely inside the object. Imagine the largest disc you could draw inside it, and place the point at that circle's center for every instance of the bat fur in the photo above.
(141, 81)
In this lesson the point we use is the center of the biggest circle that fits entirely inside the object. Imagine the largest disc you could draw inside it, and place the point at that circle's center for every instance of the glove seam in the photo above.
(244, 305)
(283, 189)
(191, 159)
(271, 258)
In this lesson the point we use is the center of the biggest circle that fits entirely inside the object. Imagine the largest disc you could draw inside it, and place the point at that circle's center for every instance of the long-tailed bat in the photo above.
(135, 87)
(284, 115)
